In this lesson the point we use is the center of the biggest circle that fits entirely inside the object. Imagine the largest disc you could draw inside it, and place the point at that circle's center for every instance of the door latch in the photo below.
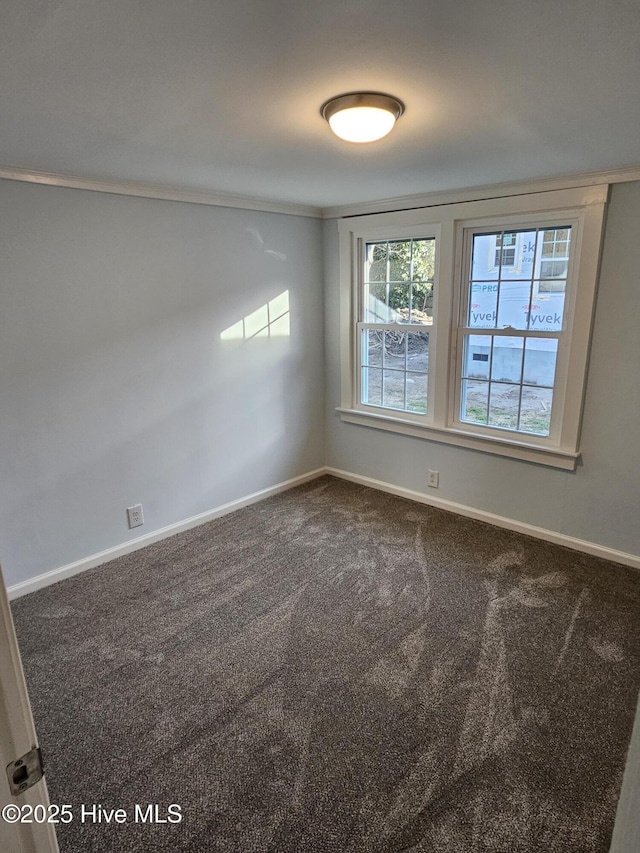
(25, 771)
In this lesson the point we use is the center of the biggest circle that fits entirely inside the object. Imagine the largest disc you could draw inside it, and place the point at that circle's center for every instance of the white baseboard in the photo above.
(583, 545)
(94, 560)
(48, 578)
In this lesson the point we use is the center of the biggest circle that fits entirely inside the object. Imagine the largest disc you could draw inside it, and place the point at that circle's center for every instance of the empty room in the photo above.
(319, 404)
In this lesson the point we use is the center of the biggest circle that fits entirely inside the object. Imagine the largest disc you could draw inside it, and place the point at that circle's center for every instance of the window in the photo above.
(469, 323)
(396, 314)
(507, 379)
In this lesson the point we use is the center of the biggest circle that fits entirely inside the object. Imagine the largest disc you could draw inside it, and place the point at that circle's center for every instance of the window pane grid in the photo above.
(507, 376)
(398, 281)
(394, 390)
(567, 225)
(396, 311)
(504, 406)
(526, 294)
(394, 368)
(507, 381)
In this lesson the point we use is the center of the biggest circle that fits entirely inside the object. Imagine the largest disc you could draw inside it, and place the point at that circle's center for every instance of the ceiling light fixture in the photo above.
(362, 116)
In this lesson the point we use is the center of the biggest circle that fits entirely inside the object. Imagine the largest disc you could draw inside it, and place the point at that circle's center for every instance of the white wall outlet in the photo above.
(135, 516)
(434, 479)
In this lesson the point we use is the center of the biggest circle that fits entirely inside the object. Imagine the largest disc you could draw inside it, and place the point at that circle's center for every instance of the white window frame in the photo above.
(581, 207)
(375, 235)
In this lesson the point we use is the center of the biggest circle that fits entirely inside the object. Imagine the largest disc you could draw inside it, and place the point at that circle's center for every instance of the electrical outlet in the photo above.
(135, 516)
(434, 479)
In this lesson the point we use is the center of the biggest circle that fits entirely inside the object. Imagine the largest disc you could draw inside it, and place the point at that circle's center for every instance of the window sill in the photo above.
(549, 456)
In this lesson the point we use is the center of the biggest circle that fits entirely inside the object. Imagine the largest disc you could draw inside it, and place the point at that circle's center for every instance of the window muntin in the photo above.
(506, 252)
(559, 338)
(506, 380)
(499, 300)
(398, 281)
(396, 311)
(395, 369)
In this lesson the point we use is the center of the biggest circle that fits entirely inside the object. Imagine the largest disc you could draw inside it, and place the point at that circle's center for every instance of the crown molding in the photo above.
(480, 193)
(139, 189)
(157, 191)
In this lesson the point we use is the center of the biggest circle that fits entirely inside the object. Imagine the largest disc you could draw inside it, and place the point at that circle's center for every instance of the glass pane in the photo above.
(378, 290)
(372, 386)
(399, 300)
(540, 361)
(417, 393)
(513, 304)
(483, 305)
(521, 267)
(398, 281)
(517, 281)
(535, 415)
(418, 351)
(475, 401)
(393, 389)
(504, 404)
(506, 363)
(372, 347)
(424, 253)
(503, 255)
(547, 308)
(556, 268)
(376, 309)
(400, 260)
(422, 302)
(556, 242)
(477, 356)
(505, 249)
(556, 285)
(483, 253)
(503, 266)
(395, 348)
(423, 275)
(554, 260)
(375, 268)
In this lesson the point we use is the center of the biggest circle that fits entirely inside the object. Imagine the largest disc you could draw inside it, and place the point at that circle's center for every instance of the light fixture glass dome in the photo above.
(362, 116)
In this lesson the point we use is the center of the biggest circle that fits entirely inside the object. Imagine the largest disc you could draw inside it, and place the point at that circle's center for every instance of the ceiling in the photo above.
(224, 95)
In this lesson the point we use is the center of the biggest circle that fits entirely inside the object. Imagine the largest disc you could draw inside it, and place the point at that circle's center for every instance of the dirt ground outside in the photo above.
(397, 377)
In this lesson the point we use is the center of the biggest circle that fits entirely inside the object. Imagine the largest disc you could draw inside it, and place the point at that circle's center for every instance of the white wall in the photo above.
(600, 501)
(115, 387)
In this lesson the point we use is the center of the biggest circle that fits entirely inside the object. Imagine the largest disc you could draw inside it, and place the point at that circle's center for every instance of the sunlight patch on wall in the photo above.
(269, 321)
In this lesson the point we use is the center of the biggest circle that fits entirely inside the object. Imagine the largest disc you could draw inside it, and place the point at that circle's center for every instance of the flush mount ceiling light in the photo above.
(362, 116)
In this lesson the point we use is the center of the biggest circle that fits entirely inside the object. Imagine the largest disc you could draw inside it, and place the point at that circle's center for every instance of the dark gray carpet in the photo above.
(335, 670)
